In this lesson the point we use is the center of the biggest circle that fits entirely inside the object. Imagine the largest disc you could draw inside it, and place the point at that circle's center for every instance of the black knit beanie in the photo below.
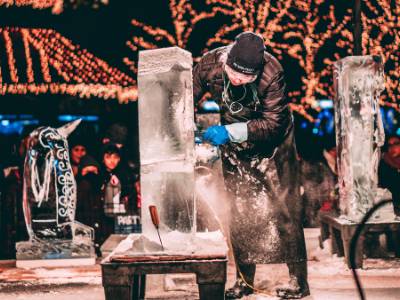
(117, 133)
(247, 53)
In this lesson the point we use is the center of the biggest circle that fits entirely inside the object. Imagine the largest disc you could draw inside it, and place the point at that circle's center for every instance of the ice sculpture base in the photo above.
(341, 231)
(43, 251)
(175, 243)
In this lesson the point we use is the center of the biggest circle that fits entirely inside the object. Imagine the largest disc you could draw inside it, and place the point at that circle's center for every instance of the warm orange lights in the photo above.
(57, 6)
(310, 33)
(76, 71)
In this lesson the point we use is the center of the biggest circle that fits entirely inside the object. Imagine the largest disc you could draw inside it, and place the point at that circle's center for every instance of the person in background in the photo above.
(389, 171)
(86, 170)
(89, 208)
(12, 221)
(116, 134)
(119, 192)
(78, 151)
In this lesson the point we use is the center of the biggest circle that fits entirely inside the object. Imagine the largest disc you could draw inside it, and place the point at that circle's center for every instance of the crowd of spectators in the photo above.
(107, 180)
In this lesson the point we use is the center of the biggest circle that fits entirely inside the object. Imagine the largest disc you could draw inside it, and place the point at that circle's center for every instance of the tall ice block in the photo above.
(359, 131)
(166, 138)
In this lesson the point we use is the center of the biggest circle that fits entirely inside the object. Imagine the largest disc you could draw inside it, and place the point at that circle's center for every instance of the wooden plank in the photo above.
(163, 258)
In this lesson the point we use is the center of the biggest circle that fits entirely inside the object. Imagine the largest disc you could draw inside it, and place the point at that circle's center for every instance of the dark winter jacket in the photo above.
(261, 174)
(270, 120)
(127, 181)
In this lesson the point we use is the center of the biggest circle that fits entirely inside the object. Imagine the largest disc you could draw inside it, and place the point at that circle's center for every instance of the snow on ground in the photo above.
(329, 279)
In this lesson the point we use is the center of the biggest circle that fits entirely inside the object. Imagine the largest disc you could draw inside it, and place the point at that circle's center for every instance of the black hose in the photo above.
(353, 244)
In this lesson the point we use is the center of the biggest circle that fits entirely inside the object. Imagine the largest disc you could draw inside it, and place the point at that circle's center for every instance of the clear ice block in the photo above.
(359, 131)
(166, 138)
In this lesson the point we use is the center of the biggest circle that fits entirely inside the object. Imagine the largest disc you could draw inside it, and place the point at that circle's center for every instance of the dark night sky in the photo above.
(102, 31)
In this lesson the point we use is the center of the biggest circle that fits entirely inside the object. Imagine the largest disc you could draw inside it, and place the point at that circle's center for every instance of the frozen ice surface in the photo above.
(359, 131)
(166, 135)
(165, 105)
(172, 193)
(175, 243)
(81, 246)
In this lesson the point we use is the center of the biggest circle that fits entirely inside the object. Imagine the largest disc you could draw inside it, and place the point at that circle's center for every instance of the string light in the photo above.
(313, 33)
(57, 6)
(10, 56)
(29, 69)
(80, 72)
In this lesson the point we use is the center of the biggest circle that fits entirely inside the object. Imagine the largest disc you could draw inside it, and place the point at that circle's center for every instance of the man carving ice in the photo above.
(259, 159)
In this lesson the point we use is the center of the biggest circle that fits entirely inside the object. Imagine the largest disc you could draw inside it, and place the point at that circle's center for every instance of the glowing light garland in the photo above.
(10, 56)
(295, 29)
(81, 73)
(57, 6)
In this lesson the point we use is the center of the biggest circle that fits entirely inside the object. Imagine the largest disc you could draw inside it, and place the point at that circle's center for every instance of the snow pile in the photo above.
(175, 243)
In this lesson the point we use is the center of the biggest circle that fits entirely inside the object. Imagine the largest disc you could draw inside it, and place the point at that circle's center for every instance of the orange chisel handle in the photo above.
(154, 215)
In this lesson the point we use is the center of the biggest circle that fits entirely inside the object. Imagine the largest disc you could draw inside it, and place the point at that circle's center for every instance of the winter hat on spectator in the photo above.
(88, 160)
(116, 133)
(110, 148)
(247, 53)
(77, 139)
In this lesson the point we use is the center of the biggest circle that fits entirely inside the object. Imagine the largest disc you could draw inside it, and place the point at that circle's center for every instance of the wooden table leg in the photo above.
(395, 236)
(347, 234)
(117, 283)
(119, 292)
(324, 232)
(212, 291)
(211, 281)
(139, 287)
(336, 242)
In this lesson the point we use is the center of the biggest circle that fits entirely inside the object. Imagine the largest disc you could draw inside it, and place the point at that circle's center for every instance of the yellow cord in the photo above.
(258, 291)
(231, 247)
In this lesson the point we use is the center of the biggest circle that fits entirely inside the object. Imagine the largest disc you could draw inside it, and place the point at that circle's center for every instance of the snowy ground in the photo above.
(329, 279)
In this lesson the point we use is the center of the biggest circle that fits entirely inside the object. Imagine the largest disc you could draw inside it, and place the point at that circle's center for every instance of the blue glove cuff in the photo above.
(237, 132)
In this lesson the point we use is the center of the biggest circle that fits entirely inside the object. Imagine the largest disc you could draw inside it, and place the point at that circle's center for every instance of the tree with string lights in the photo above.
(311, 34)
(381, 36)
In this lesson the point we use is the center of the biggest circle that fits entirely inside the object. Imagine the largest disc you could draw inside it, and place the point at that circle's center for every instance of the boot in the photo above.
(298, 285)
(240, 288)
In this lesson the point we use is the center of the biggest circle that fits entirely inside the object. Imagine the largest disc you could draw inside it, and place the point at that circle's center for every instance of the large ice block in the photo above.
(166, 138)
(359, 131)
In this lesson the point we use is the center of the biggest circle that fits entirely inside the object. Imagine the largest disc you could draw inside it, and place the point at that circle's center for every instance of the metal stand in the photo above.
(341, 232)
(126, 279)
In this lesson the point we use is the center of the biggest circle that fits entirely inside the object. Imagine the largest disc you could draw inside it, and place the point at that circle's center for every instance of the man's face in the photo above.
(237, 78)
(77, 152)
(111, 160)
(394, 147)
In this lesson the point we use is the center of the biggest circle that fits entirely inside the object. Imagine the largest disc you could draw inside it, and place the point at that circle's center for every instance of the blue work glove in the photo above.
(216, 135)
